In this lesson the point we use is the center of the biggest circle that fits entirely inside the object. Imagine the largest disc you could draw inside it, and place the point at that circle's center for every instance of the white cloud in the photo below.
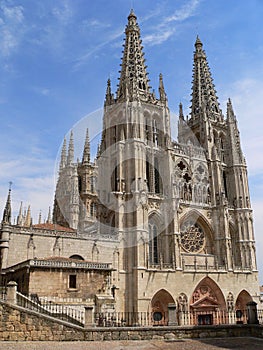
(159, 37)
(166, 28)
(11, 28)
(63, 12)
(94, 24)
(186, 11)
(33, 183)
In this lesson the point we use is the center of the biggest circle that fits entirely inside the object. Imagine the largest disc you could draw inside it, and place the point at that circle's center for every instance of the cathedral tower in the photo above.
(175, 215)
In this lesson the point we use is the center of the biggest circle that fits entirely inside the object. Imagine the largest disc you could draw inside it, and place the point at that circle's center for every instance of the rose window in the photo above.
(192, 238)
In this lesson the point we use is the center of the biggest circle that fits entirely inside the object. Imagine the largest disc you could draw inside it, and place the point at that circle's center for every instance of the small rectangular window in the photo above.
(73, 281)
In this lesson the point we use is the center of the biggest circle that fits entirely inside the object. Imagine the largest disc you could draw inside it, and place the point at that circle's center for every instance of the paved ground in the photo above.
(204, 344)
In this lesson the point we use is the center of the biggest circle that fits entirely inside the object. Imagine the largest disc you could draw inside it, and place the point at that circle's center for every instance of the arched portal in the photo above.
(207, 302)
(243, 298)
(159, 307)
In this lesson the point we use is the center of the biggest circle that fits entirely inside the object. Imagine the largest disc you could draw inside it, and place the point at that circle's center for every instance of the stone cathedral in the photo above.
(150, 221)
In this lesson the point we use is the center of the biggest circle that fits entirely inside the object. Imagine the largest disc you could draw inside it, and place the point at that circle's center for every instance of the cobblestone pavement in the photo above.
(202, 344)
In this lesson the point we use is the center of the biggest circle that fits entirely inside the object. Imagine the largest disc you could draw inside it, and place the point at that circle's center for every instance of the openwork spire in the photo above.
(7, 210)
(86, 152)
(133, 83)
(70, 158)
(63, 159)
(203, 89)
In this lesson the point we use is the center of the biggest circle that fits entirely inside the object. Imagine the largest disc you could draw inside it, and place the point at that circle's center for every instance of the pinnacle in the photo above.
(133, 83)
(198, 41)
(203, 90)
(132, 14)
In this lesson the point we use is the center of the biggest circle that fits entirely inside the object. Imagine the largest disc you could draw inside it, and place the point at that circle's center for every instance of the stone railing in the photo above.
(70, 264)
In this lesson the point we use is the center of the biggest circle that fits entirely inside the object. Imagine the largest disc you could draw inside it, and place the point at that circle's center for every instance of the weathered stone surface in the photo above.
(33, 327)
(169, 336)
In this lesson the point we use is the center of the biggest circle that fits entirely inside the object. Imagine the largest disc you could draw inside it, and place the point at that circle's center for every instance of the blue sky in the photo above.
(56, 56)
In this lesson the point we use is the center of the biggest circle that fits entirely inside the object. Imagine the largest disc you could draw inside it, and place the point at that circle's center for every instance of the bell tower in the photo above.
(131, 162)
(219, 137)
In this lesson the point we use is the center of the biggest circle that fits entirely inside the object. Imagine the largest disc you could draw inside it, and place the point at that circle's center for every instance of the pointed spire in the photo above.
(20, 215)
(162, 92)
(86, 152)
(40, 217)
(234, 136)
(230, 111)
(203, 90)
(63, 159)
(70, 158)
(181, 113)
(133, 83)
(49, 220)
(7, 210)
(28, 217)
(109, 99)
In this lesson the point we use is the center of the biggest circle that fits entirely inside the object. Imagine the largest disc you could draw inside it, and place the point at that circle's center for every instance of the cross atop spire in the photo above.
(203, 90)
(133, 83)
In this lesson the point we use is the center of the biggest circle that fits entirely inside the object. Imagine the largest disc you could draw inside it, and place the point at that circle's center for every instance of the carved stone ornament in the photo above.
(192, 238)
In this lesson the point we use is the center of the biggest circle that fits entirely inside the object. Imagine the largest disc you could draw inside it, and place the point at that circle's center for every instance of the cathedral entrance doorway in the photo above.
(207, 303)
(243, 298)
(159, 307)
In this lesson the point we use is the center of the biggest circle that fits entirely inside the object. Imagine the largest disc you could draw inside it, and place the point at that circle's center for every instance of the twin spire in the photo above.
(204, 98)
(67, 157)
(133, 81)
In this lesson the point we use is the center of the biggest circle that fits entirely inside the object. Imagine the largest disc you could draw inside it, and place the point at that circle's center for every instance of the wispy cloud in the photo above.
(82, 59)
(11, 27)
(154, 35)
(33, 183)
(159, 37)
(63, 12)
(168, 24)
(183, 13)
(94, 24)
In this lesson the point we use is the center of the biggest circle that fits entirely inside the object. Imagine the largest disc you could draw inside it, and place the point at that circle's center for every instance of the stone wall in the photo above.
(20, 324)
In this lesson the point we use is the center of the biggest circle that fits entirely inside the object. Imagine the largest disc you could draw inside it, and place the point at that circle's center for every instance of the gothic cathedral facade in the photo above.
(170, 220)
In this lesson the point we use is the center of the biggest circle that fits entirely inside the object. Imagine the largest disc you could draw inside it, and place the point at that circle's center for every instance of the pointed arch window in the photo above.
(92, 209)
(153, 244)
(157, 179)
(155, 133)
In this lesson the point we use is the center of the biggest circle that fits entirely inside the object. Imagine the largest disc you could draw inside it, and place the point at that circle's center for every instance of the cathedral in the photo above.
(150, 221)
